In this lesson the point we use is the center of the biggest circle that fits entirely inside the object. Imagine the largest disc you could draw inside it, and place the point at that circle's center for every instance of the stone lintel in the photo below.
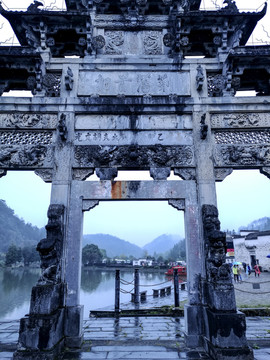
(137, 190)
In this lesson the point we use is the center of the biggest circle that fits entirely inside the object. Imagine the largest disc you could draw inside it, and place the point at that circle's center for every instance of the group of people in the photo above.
(237, 271)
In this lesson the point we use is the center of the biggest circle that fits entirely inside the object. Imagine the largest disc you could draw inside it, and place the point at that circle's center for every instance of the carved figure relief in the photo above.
(242, 155)
(124, 79)
(114, 42)
(163, 83)
(18, 120)
(133, 156)
(103, 84)
(240, 120)
(152, 43)
(51, 248)
(144, 83)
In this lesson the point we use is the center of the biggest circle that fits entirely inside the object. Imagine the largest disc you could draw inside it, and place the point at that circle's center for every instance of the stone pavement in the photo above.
(144, 338)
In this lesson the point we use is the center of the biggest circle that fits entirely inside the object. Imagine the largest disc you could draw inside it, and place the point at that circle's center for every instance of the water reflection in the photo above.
(97, 289)
(15, 289)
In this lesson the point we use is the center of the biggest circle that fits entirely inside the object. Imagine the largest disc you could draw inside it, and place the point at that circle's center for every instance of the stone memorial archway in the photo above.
(135, 98)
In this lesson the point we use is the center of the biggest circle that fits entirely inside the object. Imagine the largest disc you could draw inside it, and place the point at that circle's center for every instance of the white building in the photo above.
(253, 247)
(142, 262)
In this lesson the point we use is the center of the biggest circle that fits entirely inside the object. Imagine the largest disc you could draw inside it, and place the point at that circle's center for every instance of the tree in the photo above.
(13, 255)
(30, 254)
(178, 252)
(91, 254)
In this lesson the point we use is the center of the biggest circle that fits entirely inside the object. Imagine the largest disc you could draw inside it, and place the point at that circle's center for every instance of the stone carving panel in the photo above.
(152, 43)
(242, 155)
(242, 137)
(52, 84)
(36, 121)
(133, 83)
(240, 120)
(114, 42)
(25, 137)
(25, 156)
(133, 156)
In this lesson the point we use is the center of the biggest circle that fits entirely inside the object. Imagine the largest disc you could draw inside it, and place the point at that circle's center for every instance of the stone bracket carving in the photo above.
(45, 174)
(265, 171)
(3, 173)
(186, 174)
(222, 173)
(82, 174)
(177, 204)
(160, 173)
(89, 204)
(106, 173)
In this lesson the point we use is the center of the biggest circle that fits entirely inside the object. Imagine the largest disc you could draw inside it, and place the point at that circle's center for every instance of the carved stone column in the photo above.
(225, 327)
(43, 329)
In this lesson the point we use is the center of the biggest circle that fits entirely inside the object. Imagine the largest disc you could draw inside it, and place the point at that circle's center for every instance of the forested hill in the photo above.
(113, 245)
(262, 224)
(15, 231)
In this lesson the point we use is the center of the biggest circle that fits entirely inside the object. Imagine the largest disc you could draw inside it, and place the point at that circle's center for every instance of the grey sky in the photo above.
(242, 197)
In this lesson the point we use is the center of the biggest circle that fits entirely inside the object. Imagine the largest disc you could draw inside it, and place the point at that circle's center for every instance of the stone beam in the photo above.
(136, 190)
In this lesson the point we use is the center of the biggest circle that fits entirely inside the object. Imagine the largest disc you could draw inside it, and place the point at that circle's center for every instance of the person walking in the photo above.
(239, 270)
(257, 270)
(248, 270)
(235, 273)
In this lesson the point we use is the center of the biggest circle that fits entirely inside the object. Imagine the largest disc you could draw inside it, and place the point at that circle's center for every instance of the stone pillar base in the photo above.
(74, 326)
(41, 336)
(225, 336)
(39, 355)
(193, 326)
(228, 354)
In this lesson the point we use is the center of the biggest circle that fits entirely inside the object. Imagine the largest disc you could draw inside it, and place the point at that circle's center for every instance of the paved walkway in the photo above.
(144, 338)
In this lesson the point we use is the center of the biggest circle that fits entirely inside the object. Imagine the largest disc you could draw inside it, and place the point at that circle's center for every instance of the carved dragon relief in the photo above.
(22, 120)
(133, 156)
(26, 156)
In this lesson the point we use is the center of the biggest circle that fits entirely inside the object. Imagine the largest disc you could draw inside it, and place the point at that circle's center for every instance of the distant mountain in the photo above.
(262, 224)
(161, 244)
(16, 231)
(113, 245)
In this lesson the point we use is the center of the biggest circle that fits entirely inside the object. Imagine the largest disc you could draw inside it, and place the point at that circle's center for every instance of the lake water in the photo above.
(97, 289)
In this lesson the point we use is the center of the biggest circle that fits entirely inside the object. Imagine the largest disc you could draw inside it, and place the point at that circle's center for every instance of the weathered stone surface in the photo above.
(46, 299)
(41, 332)
(133, 83)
